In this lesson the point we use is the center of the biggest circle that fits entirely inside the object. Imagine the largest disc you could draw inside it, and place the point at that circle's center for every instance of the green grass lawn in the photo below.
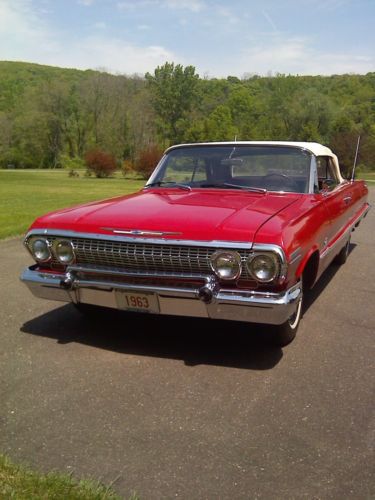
(367, 176)
(26, 194)
(21, 483)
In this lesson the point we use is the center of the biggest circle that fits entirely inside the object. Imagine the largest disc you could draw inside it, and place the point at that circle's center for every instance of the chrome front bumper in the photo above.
(206, 301)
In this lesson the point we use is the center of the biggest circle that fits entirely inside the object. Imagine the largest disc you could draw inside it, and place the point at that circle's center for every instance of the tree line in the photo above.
(53, 117)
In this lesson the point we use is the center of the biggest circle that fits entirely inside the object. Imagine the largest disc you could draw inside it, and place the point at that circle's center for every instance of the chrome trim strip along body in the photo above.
(239, 305)
(295, 256)
(331, 246)
(350, 228)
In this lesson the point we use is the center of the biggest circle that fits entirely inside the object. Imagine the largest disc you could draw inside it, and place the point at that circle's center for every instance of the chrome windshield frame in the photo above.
(310, 175)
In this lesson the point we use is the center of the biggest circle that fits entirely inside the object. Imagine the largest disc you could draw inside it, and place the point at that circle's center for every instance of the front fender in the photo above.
(309, 263)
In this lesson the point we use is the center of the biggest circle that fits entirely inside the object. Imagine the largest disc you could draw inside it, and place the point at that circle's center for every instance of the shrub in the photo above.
(75, 163)
(147, 161)
(127, 168)
(100, 163)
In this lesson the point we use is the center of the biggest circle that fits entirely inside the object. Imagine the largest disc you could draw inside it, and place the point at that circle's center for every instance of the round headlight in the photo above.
(40, 249)
(263, 267)
(64, 251)
(226, 264)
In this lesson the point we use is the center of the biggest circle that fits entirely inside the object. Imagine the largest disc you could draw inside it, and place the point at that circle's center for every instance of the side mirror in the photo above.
(328, 183)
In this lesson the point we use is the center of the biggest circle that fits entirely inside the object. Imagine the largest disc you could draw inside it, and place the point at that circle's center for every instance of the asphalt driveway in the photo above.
(171, 407)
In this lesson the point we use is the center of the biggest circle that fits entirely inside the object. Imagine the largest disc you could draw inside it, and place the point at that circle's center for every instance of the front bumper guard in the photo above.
(209, 300)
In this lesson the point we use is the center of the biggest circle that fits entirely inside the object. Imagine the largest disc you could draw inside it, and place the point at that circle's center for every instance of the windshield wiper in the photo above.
(234, 186)
(169, 183)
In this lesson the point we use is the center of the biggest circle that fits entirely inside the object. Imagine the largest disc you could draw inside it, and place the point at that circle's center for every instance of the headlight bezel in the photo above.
(55, 248)
(274, 260)
(236, 259)
(30, 246)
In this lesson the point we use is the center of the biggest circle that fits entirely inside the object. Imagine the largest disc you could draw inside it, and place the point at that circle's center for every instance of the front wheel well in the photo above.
(310, 271)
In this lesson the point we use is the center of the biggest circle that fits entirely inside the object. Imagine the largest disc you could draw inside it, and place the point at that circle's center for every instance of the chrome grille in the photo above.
(142, 256)
(147, 257)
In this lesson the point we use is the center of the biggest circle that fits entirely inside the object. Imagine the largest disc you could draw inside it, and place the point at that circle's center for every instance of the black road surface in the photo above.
(195, 409)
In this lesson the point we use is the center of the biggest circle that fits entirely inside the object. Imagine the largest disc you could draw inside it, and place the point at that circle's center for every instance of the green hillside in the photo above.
(16, 77)
(50, 117)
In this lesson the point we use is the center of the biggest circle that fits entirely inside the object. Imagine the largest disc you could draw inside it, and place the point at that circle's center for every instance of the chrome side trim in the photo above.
(330, 247)
(295, 256)
(350, 227)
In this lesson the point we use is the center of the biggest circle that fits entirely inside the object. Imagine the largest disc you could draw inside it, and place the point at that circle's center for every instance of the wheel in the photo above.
(341, 257)
(283, 334)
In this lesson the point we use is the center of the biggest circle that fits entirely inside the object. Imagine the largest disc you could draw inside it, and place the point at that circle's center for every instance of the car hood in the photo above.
(205, 215)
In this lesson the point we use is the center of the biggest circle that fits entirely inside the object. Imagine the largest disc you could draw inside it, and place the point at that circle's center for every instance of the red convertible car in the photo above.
(231, 231)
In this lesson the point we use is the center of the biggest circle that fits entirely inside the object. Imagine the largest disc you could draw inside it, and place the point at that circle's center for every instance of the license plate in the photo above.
(137, 302)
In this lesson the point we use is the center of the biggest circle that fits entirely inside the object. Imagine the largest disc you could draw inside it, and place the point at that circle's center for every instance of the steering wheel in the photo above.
(284, 180)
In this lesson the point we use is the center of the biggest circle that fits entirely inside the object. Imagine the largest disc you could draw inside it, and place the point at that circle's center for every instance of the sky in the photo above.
(219, 38)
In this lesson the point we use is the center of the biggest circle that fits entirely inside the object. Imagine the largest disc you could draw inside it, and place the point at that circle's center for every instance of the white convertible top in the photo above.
(314, 147)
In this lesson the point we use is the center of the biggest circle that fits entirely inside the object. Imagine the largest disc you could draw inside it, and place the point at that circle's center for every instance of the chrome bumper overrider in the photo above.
(209, 300)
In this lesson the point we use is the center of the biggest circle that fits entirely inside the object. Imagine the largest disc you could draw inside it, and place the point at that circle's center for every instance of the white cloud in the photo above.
(14, 16)
(293, 56)
(87, 3)
(141, 4)
(22, 31)
(100, 25)
(332, 5)
(115, 55)
(24, 37)
(227, 14)
(191, 5)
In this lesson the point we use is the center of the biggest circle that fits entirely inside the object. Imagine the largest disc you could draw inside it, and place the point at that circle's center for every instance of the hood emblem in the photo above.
(140, 232)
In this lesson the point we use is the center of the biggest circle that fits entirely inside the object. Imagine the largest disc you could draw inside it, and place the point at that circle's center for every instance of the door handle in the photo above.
(347, 200)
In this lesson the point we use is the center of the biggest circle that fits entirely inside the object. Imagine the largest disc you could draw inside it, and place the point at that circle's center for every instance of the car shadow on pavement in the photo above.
(192, 340)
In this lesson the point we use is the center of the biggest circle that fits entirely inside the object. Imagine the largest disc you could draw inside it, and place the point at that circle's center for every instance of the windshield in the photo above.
(258, 168)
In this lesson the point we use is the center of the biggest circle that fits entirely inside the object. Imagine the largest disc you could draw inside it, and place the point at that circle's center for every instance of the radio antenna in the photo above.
(355, 158)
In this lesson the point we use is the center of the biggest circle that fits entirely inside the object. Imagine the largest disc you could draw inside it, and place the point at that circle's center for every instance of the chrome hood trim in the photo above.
(140, 239)
(140, 232)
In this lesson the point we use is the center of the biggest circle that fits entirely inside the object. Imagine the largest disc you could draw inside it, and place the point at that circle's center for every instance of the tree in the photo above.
(173, 94)
(51, 117)
(219, 125)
